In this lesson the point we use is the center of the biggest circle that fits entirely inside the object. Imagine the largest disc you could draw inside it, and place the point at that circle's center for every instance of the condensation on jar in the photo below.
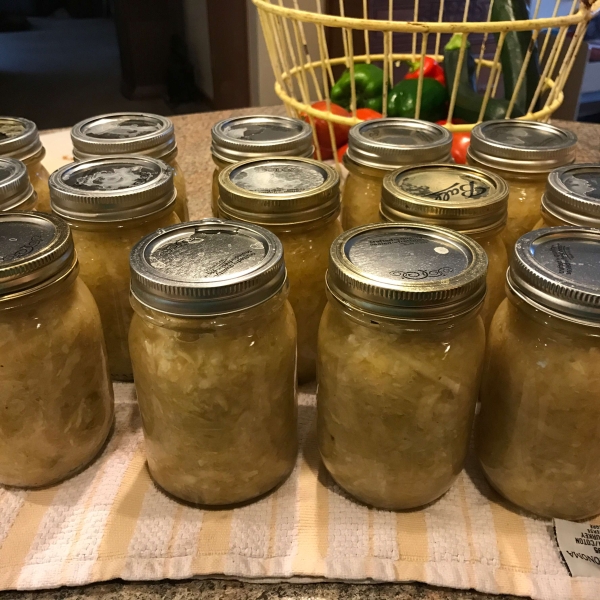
(537, 433)
(213, 344)
(466, 199)
(572, 197)
(401, 347)
(20, 139)
(297, 199)
(16, 191)
(132, 133)
(110, 204)
(379, 146)
(523, 153)
(256, 136)
(57, 399)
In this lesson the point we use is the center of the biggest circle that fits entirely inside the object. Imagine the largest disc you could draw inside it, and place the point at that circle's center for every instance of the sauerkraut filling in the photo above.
(395, 406)
(38, 175)
(181, 203)
(361, 197)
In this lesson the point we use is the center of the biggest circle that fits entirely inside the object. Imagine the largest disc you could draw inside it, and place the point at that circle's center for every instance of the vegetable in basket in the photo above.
(368, 81)
(402, 99)
(431, 69)
(461, 141)
(340, 132)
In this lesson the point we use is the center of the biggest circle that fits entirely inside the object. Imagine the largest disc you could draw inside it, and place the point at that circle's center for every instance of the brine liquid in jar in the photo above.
(375, 148)
(401, 347)
(16, 191)
(213, 345)
(110, 204)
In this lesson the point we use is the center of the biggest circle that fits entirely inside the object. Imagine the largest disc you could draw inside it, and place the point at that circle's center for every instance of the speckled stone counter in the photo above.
(193, 134)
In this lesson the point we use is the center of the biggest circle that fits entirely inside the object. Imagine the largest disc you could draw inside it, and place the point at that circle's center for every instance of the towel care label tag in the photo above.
(579, 544)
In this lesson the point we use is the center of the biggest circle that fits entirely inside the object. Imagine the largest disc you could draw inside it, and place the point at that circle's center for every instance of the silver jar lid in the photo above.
(36, 249)
(522, 146)
(558, 270)
(19, 138)
(279, 191)
(459, 197)
(112, 189)
(573, 195)
(241, 138)
(15, 188)
(407, 271)
(207, 267)
(394, 142)
(124, 133)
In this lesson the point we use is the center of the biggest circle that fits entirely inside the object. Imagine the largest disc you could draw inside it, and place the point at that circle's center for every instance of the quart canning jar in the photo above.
(257, 136)
(537, 433)
(379, 146)
(401, 346)
(523, 153)
(16, 191)
(110, 204)
(298, 199)
(466, 199)
(132, 133)
(19, 138)
(572, 197)
(57, 399)
(213, 343)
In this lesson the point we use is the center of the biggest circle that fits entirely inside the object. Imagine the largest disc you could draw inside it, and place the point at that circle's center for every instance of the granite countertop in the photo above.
(193, 135)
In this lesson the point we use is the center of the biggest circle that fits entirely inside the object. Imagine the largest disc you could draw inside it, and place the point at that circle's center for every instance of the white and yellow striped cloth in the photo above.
(111, 522)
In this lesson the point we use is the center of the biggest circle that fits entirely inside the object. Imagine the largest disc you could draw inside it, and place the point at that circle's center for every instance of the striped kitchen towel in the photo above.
(111, 522)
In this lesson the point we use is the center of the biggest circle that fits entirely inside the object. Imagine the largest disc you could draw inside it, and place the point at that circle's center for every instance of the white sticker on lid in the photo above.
(579, 545)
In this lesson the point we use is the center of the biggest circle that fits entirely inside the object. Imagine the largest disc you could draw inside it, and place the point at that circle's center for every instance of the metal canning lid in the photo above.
(206, 268)
(35, 249)
(573, 195)
(407, 271)
(19, 138)
(257, 136)
(459, 197)
(522, 146)
(558, 269)
(394, 142)
(279, 191)
(112, 189)
(124, 133)
(15, 187)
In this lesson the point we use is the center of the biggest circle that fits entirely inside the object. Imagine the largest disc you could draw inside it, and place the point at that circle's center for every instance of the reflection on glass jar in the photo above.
(16, 191)
(19, 139)
(132, 133)
(537, 433)
(523, 153)
(214, 367)
(466, 199)
(298, 200)
(256, 136)
(110, 204)
(379, 146)
(401, 347)
(57, 399)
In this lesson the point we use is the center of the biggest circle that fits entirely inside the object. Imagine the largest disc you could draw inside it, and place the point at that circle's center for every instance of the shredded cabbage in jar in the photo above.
(57, 399)
(496, 276)
(38, 175)
(181, 203)
(395, 407)
(538, 432)
(218, 400)
(360, 199)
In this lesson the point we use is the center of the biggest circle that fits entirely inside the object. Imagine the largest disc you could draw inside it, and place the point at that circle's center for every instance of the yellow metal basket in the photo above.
(303, 77)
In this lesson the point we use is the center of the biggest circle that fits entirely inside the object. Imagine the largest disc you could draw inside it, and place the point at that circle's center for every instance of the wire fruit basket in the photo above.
(305, 75)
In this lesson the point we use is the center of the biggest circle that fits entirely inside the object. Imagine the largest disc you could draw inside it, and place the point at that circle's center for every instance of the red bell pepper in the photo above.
(460, 142)
(431, 69)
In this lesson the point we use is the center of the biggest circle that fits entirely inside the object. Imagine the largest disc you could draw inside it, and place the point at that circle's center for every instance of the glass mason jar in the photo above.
(132, 133)
(466, 199)
(298, 199)
(213, 343)
(379, 146)
(523, 153)
(256, 136)
(537, 432)
(110, 204)
(16, 191)
(401, 346)
(19, 138)
(57, 399)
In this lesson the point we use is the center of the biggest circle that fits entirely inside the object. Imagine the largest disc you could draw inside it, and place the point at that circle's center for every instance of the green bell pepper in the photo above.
(368, 81)
(402, 99)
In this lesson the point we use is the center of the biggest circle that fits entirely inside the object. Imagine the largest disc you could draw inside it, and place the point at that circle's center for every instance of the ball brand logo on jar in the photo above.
(24, 250)
(227, 264)
(465, 187)
(259, 133)
(10, 129)
(423, 274)
(584, 184)
(119, 130)
(278, 179)
(111, 178)
(403, 241)
(563, 256)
